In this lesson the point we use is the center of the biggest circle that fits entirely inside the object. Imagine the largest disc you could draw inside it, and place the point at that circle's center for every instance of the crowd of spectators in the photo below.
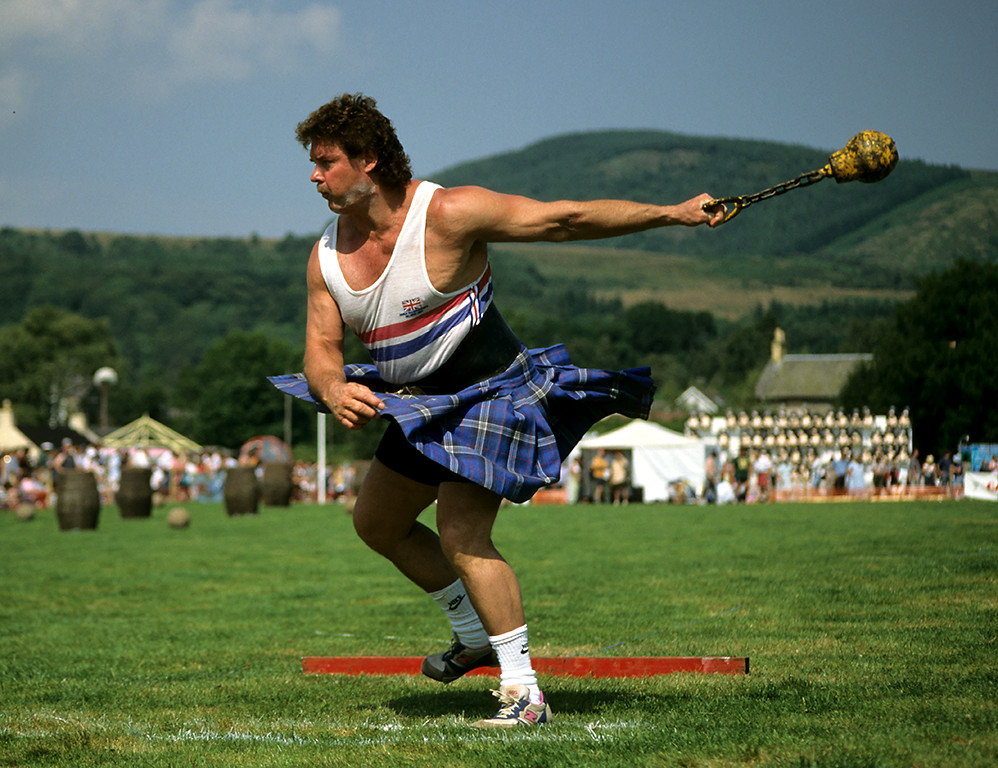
(751, 456)
(800, 453)
(21, 482)
(175, 477)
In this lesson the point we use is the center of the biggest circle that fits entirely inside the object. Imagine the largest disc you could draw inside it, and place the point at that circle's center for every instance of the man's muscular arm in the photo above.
(479, 214)
(352, 404)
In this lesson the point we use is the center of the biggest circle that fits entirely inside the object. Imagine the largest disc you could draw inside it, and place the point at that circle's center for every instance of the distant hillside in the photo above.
(830, 245)
(872, 236)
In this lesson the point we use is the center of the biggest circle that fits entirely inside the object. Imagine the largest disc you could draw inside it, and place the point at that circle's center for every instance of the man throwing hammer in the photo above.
(474, 416)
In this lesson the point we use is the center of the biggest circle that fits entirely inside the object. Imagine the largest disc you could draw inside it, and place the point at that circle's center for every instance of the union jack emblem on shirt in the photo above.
(411, 307)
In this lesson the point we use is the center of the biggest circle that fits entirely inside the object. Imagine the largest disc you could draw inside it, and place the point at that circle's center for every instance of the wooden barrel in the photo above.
(135, 492)
(276, 486)
(242, 491)
(78, 504)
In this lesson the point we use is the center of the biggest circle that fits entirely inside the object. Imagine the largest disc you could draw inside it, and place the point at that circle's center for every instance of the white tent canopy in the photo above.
(11, 438)
(659, 456)
(146, 432)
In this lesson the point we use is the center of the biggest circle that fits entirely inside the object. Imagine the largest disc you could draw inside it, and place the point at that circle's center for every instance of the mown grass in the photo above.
(872, 631)
(731, 289)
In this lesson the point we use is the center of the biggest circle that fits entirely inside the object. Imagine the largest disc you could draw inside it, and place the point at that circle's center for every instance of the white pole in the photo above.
(321, 469)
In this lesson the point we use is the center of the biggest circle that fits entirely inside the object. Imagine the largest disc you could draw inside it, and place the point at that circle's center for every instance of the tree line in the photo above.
(194, 331)
(194, 325)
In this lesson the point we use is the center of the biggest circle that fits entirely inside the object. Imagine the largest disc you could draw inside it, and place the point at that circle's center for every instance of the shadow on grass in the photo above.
(586, 703)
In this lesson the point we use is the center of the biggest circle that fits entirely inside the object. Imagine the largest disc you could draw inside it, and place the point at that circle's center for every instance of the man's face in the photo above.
(342, 181)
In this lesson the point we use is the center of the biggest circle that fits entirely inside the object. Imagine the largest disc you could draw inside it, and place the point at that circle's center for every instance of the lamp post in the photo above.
(104, 378)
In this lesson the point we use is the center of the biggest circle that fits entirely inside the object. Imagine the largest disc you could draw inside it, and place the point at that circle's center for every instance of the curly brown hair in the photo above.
(354, 123)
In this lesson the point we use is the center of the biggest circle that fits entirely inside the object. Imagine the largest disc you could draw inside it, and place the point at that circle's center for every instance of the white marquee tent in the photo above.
(659, 456)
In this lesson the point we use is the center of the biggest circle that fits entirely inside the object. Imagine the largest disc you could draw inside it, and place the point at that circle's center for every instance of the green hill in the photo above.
(168, 299)
(826, 241)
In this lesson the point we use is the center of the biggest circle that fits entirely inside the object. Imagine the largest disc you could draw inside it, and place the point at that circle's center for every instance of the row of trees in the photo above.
(939, 355)
(155, 309)
(935, 354)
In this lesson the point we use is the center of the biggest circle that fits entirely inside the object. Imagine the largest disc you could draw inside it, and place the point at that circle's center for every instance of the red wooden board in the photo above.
(573, 666)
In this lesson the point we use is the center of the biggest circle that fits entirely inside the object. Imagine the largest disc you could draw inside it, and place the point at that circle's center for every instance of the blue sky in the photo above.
(177, 116)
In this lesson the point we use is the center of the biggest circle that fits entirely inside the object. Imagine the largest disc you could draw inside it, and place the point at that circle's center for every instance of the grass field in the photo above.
(872, 631)
(730, 290)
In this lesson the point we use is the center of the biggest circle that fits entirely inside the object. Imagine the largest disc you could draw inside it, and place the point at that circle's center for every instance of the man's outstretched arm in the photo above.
(475, 213)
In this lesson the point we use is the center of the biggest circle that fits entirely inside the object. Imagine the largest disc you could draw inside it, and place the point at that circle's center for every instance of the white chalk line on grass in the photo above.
(396, 734)
(335, 734)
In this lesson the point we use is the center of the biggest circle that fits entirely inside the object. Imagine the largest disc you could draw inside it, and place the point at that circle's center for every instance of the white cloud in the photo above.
(168, 42)
(221, 40)
(78, 27)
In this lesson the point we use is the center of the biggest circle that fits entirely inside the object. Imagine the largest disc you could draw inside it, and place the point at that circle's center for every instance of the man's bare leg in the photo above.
(385, 518)
(466, 514)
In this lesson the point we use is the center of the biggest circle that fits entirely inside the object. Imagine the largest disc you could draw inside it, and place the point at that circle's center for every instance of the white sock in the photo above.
(456, 604)
(514, 661)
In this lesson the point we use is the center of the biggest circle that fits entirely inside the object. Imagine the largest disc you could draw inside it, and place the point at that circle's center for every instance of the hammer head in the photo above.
(869, 156)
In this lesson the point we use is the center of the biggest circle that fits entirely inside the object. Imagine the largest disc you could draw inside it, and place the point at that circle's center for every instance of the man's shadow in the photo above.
(591, 702)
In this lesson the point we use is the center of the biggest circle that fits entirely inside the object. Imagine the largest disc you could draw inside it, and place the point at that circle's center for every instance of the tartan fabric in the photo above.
(509, 433)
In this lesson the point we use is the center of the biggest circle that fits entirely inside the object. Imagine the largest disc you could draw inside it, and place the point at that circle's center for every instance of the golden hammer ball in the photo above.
(868, 157)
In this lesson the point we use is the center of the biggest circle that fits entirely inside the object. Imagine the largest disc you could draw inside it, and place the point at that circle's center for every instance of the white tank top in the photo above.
(409, 328)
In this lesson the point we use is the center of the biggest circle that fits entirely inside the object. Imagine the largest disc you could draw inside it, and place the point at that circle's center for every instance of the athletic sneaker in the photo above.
(516, 709)
(457, 661)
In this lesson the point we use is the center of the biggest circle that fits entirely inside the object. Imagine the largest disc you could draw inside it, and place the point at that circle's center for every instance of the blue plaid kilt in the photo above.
(511, 432)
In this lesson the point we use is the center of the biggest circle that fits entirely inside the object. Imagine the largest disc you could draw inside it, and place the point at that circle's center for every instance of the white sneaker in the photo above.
(516, 709)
